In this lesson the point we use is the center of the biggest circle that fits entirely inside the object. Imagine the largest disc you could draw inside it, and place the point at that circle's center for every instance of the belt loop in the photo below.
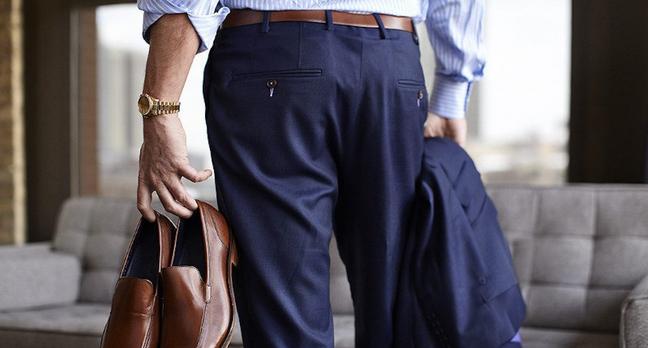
(329, 19)
(415, 33)
(265, 23)
(381, 26)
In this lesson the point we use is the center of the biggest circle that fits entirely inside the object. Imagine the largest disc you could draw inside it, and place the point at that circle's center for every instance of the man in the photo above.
(316, 122)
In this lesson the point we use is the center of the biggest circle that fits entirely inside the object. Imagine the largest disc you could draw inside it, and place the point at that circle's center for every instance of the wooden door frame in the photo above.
(60, 56)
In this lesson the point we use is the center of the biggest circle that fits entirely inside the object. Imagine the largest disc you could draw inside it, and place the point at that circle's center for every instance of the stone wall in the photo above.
(12, 165)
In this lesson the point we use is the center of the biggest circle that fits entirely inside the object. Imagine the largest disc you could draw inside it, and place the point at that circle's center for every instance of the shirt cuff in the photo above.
(205, 21)
(449, 98)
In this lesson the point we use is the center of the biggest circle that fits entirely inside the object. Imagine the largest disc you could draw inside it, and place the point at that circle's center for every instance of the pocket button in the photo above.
(272, 83)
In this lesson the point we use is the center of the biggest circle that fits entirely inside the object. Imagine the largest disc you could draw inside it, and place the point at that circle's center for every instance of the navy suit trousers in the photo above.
(315, 129)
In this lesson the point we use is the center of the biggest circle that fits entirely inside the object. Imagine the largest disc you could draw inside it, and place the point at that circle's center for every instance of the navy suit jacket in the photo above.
(458, 286)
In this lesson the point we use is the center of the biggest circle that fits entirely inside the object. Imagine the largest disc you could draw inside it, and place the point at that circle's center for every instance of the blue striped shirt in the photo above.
(454, 28)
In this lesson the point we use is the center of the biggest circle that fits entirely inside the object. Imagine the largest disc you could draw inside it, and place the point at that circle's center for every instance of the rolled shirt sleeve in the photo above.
(201, 13)
(455, 31)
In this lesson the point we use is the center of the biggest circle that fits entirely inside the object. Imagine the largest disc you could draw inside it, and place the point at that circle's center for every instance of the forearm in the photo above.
(173, 45)
(163, 156)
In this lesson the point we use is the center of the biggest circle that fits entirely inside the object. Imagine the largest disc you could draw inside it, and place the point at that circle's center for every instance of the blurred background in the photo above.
(61, 55)
(552, 75)
(511, 141)
(563, 102)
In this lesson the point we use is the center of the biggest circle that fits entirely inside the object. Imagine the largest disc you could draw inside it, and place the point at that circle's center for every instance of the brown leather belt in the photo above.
(238, 17)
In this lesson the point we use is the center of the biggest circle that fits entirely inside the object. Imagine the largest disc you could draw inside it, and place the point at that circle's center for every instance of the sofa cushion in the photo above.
(551, 338)
(81, 325)
(340, 290)
(38, 339)
(34, 276)
(343, 328)
(77, 319)
(73, 326)
(97, 231)
(578, 250)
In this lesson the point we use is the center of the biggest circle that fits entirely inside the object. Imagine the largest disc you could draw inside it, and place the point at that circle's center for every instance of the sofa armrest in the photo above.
(633, 329)
(33, 275)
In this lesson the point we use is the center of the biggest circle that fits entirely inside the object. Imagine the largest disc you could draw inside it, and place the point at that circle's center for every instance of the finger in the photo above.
(458, 139)
(457, 131)
(430, 132)
(432, 129)
(193, 175)
(180, 194)
(144, 202)
(170, 204)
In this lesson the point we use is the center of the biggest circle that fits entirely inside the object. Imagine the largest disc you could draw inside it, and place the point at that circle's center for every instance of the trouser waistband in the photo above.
(238, 17)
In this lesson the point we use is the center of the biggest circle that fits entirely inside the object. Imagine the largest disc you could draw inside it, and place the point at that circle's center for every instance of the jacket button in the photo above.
(271, 83)
(482, 280)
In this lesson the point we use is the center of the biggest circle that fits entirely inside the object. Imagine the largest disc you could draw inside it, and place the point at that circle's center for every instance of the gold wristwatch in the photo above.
(149, 106)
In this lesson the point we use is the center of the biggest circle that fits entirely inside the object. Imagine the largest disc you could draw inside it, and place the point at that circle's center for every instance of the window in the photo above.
(517, 118)
(121, 62)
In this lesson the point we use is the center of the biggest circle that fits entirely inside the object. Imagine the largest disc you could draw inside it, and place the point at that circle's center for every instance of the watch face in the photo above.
(144, 104)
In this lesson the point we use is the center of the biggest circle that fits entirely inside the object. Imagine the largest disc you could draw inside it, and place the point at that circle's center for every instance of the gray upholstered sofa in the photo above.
(581, 253)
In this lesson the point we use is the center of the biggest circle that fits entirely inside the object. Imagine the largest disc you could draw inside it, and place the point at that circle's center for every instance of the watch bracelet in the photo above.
(165, 108)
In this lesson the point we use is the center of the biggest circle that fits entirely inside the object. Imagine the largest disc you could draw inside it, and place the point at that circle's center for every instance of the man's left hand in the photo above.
(453, 128)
